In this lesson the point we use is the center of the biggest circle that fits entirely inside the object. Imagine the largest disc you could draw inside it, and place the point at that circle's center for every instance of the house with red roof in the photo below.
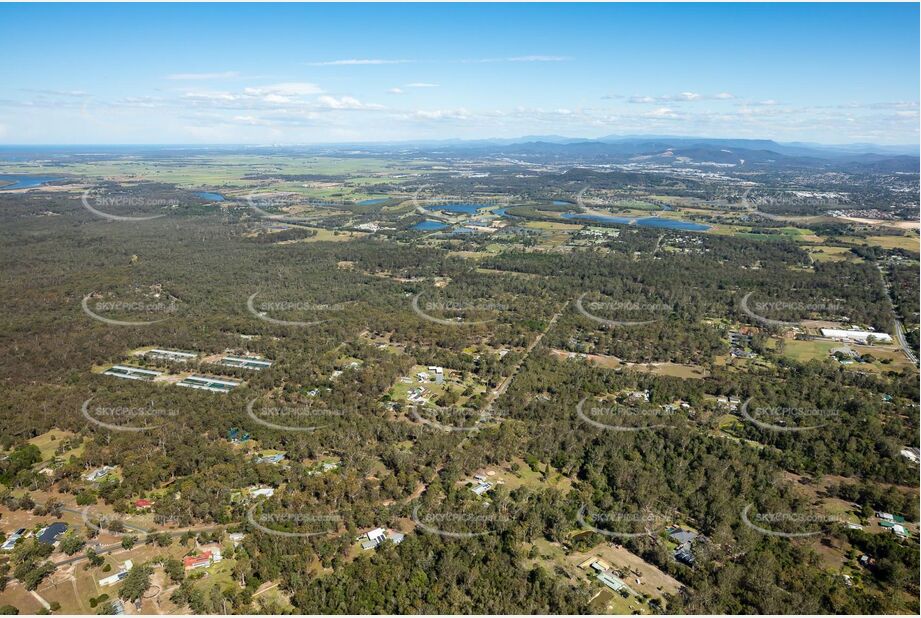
(197, 562)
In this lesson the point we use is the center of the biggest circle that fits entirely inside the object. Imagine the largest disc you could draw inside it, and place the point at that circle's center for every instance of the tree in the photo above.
(94, 558)
(135, 583)
(71, 543)
(174, 569)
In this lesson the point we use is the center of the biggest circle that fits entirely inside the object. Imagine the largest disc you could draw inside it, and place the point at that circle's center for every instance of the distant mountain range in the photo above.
(674, 151)
(690, 151)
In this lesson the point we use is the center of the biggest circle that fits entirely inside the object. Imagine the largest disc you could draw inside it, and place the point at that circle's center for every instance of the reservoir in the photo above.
(372, 202)
(211, 197)
(429, 226)
(659, 222)
(23, 182)
(458, 207)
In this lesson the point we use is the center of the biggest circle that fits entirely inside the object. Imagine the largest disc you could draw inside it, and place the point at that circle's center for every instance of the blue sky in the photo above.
(268, 73)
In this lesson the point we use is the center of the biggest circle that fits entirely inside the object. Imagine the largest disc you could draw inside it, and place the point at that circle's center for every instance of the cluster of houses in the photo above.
(418, 395)
(685, 539)
(374, 538)
(605, 574)
(99, 473)
(325, 466)
(49, 535)
(639, 395)
(205, 559)
(11, 541)
(740, 344)
(482, 485)
(434, 374)
(272, 458)
(237, 435)
(730, 403)
(896, 523)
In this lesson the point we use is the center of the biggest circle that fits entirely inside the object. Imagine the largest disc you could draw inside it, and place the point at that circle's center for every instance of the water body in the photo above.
(459, 207)
(429, 226)
(672, 224)
(561, 203)
(23, 182)
(372, 201)
(601, 218)
(211, 197)
(659, 222)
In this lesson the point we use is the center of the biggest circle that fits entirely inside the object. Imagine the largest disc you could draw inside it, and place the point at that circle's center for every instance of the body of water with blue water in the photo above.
(211, 197)
(429, 226)
(669, 224)
(372, 201)
(459, 207)
(23, 182)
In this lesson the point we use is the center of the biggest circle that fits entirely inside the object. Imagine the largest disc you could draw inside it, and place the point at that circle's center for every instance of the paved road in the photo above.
(127, 525)
(104, 549)
(503, 386)
(899, 328)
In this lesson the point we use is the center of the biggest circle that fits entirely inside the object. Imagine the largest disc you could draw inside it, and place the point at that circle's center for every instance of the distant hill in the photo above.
(690, 151)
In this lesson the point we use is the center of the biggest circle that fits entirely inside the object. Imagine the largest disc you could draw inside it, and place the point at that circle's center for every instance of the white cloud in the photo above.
(421, 85)
(205, 95)
(686, 97)
(203, 76)
(443, 114)
(57, 93)
(287, 89)
(396, 91)
(661, 112)
(345, 103)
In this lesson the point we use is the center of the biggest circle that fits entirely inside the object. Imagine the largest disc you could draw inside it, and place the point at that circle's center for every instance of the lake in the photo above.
(211, 197)
(561, 203)
(659, 222)
(429, 226)
(23, 182)
(372, 201)
(459, 207)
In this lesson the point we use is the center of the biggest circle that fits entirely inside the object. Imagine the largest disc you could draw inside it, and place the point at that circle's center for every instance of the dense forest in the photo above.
(191, 275)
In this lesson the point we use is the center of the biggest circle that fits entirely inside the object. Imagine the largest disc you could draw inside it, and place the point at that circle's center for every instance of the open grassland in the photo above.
(226, 171)
(675, 370)
(805, 351)
(825, 253)
(49, 441)
(907, 242)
